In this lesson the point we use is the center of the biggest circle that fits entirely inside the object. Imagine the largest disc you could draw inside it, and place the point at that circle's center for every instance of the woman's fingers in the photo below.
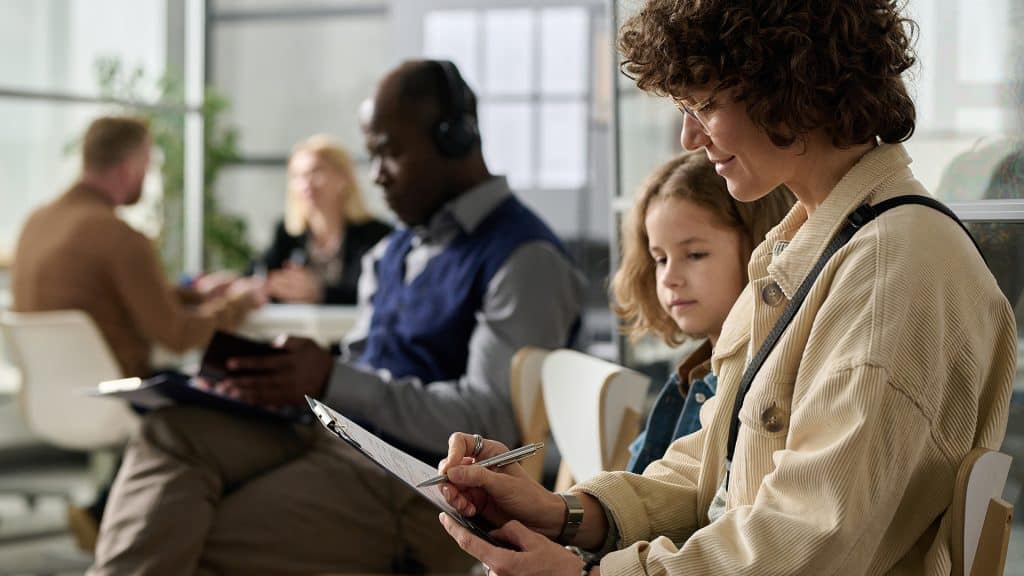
(475, 546)
(478, 477)
(529, 553)
(458, 500)
(460, 446)
(519, 536)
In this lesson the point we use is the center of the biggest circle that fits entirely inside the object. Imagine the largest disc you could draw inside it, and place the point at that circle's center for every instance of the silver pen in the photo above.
(503, 459)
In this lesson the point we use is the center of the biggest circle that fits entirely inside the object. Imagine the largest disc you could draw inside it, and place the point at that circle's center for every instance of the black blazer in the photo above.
(359, 238)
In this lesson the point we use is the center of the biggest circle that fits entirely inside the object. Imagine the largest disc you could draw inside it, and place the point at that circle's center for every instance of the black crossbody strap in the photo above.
(854, 222)
(931, 203)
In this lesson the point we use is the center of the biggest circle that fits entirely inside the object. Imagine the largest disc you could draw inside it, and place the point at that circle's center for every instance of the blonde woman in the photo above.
(317, 248)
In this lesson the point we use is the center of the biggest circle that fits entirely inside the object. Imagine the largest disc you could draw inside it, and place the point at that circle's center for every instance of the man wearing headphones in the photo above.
(473, 276)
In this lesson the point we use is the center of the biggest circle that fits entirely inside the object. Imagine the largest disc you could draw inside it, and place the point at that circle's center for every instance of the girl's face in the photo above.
(316, 183)
(699, 264)
(741, 151)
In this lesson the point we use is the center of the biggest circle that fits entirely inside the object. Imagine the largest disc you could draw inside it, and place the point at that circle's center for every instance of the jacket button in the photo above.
(700, 397)
(773, 419)
(772, 295)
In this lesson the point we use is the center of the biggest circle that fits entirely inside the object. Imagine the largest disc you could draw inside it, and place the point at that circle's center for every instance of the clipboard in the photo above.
(170, 388)
(406, 468)
(222, 346)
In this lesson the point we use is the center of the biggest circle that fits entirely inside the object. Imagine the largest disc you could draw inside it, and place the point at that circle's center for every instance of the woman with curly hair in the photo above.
(869, 353)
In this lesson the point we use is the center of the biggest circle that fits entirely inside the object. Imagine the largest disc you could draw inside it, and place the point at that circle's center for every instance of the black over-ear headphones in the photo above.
(457, 132)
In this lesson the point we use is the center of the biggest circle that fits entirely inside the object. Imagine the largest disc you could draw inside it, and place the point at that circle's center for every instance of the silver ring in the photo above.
(478, 445)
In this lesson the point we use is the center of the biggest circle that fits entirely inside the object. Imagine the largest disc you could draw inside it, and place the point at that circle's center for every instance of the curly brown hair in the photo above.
(689, 176)
(799, 65)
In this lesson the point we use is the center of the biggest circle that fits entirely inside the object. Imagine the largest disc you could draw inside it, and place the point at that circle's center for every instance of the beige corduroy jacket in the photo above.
(900, 361)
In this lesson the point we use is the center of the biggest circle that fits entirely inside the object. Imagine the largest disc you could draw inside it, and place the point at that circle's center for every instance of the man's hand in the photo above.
(279, 380)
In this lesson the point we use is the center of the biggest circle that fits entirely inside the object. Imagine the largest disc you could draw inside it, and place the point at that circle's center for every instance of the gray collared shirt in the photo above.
(532, 300)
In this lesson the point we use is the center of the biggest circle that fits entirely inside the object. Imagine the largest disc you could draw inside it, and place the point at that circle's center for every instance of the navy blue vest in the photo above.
(422, 329)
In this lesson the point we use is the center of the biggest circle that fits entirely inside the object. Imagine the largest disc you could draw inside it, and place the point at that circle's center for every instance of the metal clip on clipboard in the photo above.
(337, 429)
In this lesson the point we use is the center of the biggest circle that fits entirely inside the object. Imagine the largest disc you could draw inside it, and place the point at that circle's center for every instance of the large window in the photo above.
(530, 69)
(51, 87)
(538, 69)
(289, 70)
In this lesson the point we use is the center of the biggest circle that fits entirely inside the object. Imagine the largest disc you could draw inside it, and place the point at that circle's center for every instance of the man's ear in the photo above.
(365, 114)
(120, 174)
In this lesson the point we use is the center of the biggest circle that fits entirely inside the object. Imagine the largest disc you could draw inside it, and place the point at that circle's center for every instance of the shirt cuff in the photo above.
(612, 538)
(628, 562)
(621, 504)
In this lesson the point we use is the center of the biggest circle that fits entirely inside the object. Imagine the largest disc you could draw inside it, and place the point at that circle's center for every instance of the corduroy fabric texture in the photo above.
(900, 361)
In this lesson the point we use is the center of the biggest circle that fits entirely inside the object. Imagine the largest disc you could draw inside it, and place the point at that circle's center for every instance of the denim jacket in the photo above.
(676, 412)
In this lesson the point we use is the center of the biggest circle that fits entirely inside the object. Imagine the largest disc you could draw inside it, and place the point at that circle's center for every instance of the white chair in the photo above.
(981, 518)
(595, 410)
(61, 355)
(528, 403)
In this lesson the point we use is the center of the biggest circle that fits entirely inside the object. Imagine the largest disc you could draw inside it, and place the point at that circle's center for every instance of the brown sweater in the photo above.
(74, 253)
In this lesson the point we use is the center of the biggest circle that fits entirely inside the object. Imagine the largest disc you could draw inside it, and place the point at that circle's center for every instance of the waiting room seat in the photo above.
(595, 409)
(528, 403)
(60, 355)
(981, 518)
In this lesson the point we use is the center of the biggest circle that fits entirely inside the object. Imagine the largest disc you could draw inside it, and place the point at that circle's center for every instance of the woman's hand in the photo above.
(294, 284)
(498, 495)
(214, 284)
(533, 554)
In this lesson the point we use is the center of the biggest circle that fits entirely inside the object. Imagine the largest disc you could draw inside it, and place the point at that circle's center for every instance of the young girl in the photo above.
(686, 244)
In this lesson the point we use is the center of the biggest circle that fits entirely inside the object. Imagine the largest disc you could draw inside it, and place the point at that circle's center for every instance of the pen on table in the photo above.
(503, 459)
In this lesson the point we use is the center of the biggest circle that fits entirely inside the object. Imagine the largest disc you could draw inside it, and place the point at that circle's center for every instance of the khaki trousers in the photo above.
(200, 492)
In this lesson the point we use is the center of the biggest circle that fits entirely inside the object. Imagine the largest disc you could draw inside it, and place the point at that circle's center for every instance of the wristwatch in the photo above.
(573, 517)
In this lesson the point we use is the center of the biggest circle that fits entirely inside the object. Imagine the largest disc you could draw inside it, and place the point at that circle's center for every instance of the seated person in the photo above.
(318, 247)
(76, 254)
(472, 276)
(1002, 248)
(685, 248)
(969, 175)
(992, 169)
(833, 443)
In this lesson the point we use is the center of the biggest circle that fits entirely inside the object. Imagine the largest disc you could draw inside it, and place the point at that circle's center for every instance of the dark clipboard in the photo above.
(406, 468)
(171, 388)
(223, 346)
